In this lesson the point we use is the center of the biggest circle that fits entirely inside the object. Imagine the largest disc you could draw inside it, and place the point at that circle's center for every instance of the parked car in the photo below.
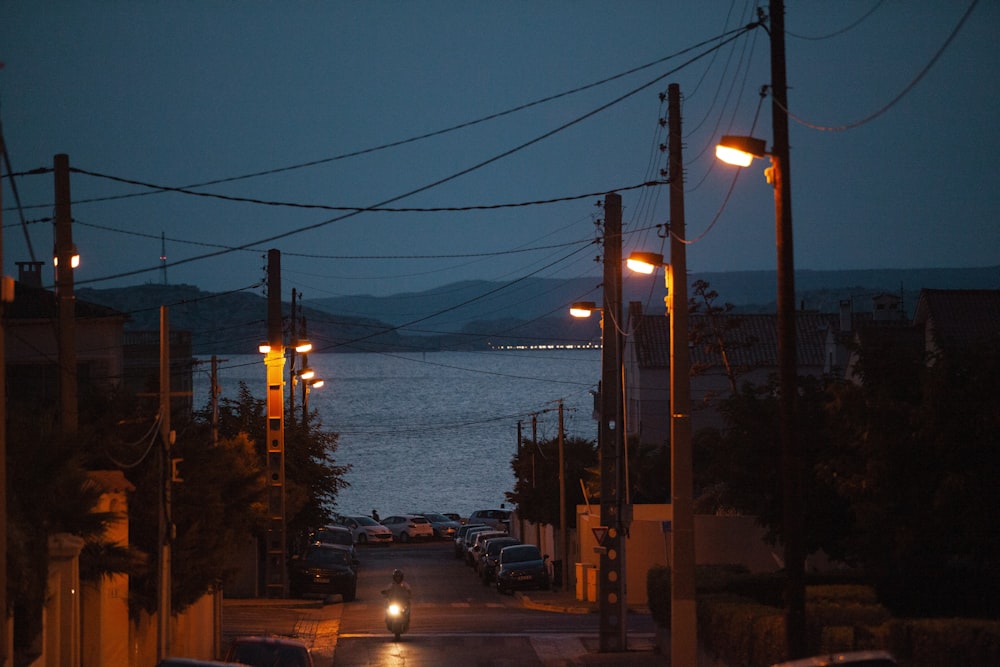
(460, 537)
(323, 570)
(522, 566)
(338, 536)
(367, 530)
(454, 516)
(270, 651)
(469, 539)
(476, 544)
(850, 659)
(487, 563)
(444, 527)
(495, 518)
(406, 527)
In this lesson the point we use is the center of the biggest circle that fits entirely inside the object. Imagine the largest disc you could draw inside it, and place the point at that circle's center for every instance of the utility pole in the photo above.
(791, 458)
(66, 300)
(683, 612)
(163, 257)
(275, 576)
(4, 634)
(293, 335)
(563, 523)
(166, 528)
(613, 609)
(216, 392)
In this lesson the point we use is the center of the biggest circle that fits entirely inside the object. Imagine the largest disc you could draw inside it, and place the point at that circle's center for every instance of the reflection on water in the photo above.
(435, 431)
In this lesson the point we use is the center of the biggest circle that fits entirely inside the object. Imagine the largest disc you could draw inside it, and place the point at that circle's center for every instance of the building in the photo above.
(31, 325)
(727, 350)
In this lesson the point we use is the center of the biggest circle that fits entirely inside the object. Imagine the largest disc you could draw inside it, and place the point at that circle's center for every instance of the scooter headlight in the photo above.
(395, 609)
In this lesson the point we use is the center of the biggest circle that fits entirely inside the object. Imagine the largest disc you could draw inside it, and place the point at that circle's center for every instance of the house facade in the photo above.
(726, 351)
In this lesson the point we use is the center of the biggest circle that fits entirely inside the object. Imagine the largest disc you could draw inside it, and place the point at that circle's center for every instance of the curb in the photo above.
(560, 606)
(270, 602)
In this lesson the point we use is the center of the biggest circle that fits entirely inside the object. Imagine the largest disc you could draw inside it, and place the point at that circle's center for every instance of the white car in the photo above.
(367, 530)
(406, 527)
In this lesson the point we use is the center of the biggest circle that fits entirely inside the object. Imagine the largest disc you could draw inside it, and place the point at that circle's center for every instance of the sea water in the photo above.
(433, 431)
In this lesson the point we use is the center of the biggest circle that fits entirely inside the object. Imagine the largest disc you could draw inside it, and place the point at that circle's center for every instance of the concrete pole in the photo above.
(611, 585)
(274, 570)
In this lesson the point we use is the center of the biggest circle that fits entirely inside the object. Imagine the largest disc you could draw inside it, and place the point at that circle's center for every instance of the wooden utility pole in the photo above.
(65, 297)
(683, 612)
(166, 475)
(563, 523)
(791, 457)
(4, 635)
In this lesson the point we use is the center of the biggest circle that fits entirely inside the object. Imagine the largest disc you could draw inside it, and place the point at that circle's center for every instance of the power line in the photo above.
(362, 209)
(446, 179)
(414, 139)
(891, 103)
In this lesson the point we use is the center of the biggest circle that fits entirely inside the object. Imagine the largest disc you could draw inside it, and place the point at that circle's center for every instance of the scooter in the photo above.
(397, 616)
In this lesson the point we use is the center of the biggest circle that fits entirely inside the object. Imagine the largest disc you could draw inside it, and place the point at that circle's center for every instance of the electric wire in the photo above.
(440, 181)
(894, 101)
(427, 135)
(363, 209)
(841, 31)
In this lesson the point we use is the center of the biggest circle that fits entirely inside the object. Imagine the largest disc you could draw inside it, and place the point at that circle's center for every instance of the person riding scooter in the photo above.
(397, 604)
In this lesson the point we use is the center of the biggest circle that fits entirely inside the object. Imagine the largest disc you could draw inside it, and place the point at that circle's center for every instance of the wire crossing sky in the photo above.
(488, 132)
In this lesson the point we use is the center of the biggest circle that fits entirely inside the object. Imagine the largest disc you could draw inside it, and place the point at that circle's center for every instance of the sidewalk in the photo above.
(642, 650)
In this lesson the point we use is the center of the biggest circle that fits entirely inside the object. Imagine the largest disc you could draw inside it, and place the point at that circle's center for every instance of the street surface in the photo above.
(455, 620)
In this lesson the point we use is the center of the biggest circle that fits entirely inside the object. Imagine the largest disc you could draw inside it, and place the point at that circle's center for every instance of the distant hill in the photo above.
(461, 304)
(235, 322)
(478, 314)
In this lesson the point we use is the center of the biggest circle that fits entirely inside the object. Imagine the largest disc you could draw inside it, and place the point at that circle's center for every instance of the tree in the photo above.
(222, 498)
(742, 462)
(217, 503)
(49, 493)
(918, 459)
(713, 332)
(536, 469)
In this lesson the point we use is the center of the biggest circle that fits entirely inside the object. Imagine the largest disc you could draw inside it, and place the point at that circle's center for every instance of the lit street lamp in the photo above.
(307, 376)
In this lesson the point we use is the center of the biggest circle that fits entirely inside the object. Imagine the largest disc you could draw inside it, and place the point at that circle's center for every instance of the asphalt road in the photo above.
(455, 620)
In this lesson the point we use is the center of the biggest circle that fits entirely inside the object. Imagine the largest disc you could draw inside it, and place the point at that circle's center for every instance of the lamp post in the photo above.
(791, 464)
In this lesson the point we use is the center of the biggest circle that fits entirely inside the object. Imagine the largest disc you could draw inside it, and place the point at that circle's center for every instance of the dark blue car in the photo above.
(522, 566)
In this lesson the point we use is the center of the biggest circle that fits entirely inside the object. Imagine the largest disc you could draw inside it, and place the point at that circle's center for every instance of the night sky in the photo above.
(469, 119)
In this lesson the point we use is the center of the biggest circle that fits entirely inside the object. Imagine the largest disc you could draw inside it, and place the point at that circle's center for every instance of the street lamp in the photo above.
(584, 309)
(307, 376)
(740, 151)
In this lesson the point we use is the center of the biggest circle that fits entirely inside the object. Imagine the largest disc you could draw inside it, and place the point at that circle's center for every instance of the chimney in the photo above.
(30, 274)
